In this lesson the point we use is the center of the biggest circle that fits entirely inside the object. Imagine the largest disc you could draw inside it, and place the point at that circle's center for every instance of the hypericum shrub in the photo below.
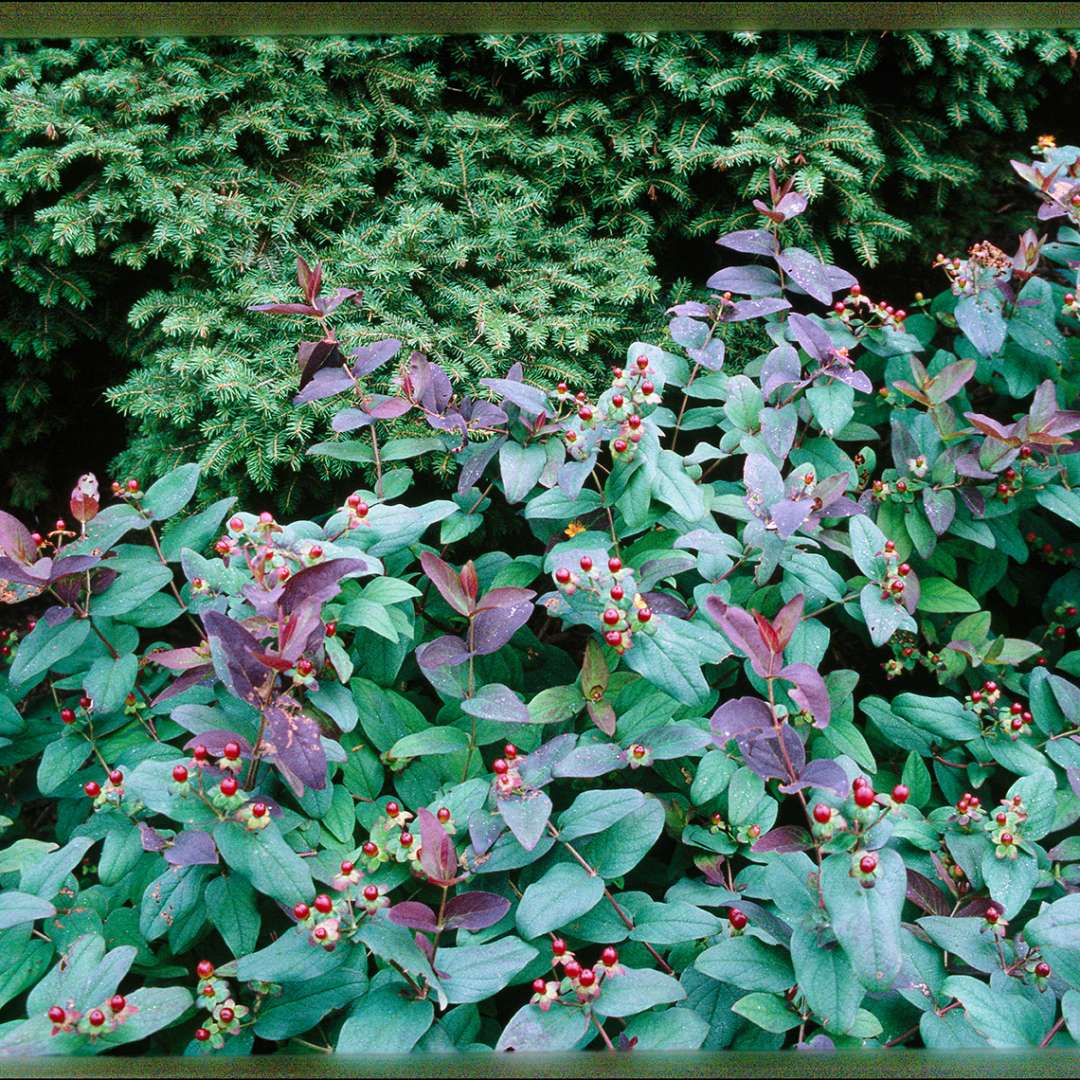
(758, 741)
(504, 198)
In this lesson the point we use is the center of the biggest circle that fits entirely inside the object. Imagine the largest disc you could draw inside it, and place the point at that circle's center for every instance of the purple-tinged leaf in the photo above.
(749, 241)
(506, 597)
(293, 739)
(789, 515)
(787, 619)
(791, 205)
(710, 356)
(602, 714)
(810, 692)
(192, 847)
(234, 652)
(742, 310)
(190, 678)
(85, 499)
(496, 702)
(692, 308)
(740, 628)
(816, 1042)
(529, 399)
(328, 305)
(438, 855)
(414, 915)
(178, 659)
(814, 340)
(492, 628)
(949, 381)
(526, 814)
(923, 893)
(447, 580)
(573, 474)
(428, 384)
(151, 839)
(215, 740)
(940, 507)
(662, 603)
(57, 614)
(538, 768)
(447, 649)
(809, 273)
(478, 461)
(325, 383)
(322, 581)
(748, 280)
(370, 358)
(71, 564)
(314, 356)
(484, 830)
(780, 367)
(764, 484)
(968, 465)
(287, 309)
(15, 539)
(786, 838)
(593, 759)
(821, 773)
(1073, 776)
(740, 717)
(474, 911)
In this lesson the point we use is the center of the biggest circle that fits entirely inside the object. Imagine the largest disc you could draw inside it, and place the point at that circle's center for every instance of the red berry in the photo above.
(644, 614)
(331, 629)
(1042, 969)
(822, 813)
(200, 753)
(868, 863)
(1006, 838)
(231, 751)
(86, 703)
(116, 777)
(838, 307)
(443, 815)
(613, 638)
(117, 1003)
(229, 786)
(992, 915)
(346, 867)
(633, 421)
(353, 501)
(539, 986)
(236, 524)
(612, 616)
(890, 545)
(301, 911)
(37, 538)
(92, 788)
(266, 518)
(56, 1014)
(315, 552)
(609, 956)
(1059, 631)
(319, 933)
(558, 947)
(587, 977)
(304, 667)
(1001, 817)
(617, 592)
(855, 290)
(976, 696)
(370, 849)
(133, 485)
(562, 575)
(499, 766)
(258, 810)
(67, 716)
(572, 969)
(562, 388)
(225, 1014)
(392, 808)
(323, 904)
(371, 893)
(585, 413)
(510, 751)
(617, 401)
(642, 362)
(96, 1017)
(179, 774)
(619, 446)
(903, 569)
(204, 969)
(647, 387)
(900, 793)
(201, 1034)
(864, 796)
(405, 839)
(897, 586)
(990, 687)
(737, 918)
(585, 563)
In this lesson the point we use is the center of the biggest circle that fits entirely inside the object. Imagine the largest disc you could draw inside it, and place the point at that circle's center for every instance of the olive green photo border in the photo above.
(90, 20)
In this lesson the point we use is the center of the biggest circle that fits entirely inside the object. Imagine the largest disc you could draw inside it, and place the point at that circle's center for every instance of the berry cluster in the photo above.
(101, 1020)
(860, 312)
(1005, 826)
(969, 276)
(111, 794)
(1012, 719)
(968, 810)
(214, 995)
(618, 416)
(507, 770)
(624, 611)
(583, 982)
(1051, 554)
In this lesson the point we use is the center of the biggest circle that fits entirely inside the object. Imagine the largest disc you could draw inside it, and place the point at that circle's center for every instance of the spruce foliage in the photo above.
(498, 198)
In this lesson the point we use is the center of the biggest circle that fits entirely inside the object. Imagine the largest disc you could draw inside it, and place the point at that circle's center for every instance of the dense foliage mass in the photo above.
(643, 784)
(502, 198)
